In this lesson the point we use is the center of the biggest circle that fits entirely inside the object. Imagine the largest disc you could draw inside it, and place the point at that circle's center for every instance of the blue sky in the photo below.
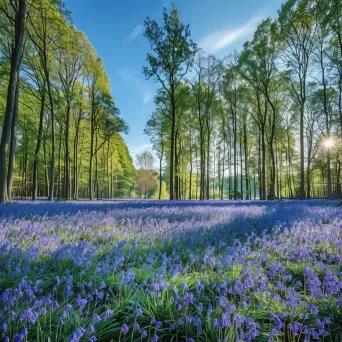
(115, 29)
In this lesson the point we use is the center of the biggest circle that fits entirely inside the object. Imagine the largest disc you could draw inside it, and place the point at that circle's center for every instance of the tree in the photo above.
(256, 65)
(62, 103)
(157, 129)
(18, 11)
(297, 33)
(146, 181)
(169, 61)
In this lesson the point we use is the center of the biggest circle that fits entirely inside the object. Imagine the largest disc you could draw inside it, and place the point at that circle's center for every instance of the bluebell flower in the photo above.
(96, 319)
(155, 338)
(124, 329)
(108, 314)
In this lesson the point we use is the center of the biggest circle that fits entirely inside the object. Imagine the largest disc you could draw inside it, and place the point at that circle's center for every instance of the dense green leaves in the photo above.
(69, 127)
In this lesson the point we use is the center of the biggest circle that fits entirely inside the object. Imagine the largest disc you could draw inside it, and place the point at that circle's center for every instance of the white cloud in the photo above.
(136, 149)
(216, 41)
(127, 76)
(147, 95)
(138, 29)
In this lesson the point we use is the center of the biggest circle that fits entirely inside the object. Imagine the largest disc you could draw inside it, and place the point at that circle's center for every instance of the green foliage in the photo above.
(63, 79)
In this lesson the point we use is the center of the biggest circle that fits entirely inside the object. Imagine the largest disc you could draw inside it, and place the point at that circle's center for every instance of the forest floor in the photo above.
(134, 270)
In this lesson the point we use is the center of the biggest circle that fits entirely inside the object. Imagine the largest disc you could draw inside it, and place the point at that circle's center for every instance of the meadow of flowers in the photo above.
(162, 271)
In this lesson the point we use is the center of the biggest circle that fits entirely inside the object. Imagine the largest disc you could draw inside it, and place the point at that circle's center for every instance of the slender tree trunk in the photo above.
(241, 169)
(235, 157)
(91, 154)
(96, 170)
(223, 167)
(229, 171)
(36, 153)
(75, 194)
(24, 178)
(172, 142)
(161, 170)
(263, 164)
(202, 165)
(13, 144)
(277, 169)
(59, 165)
(46, 171)
(219, 171)
(254, 187)
(207, 195)
(176, 168)
(67, 154)
(107, 169)
(52, 165)
(301, 147)
(11, 91)
(245, 143)
(338, 179)
(259, 167)
(329, 173)
(111, 177)
(190, 175)
(196, 156)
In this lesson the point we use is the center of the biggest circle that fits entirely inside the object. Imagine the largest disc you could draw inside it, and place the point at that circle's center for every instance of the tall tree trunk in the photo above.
(13, 144)
(160, 171)
(59, 195)
(91, 153)
(330, 196)
(338, 178)
(245, 143)
(219, 171)
(229, 171)
(107, 169)
(66, 194)
(176, 168)
(259, 167)
(223, 167)
(46, 171)
(196, 156)
(52, 161)
(241, 169)
(172, 142)
(301, 147)
(75, 194)
(11, 91)
(202, 164)
(235, 157)
(96, 170)
(190, 178)
(263, 163)
(36, 152)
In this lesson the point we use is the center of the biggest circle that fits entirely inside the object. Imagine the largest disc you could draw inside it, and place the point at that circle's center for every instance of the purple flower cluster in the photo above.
(145, 270)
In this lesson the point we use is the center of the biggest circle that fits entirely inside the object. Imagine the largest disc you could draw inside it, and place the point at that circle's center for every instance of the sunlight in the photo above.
(328, 143)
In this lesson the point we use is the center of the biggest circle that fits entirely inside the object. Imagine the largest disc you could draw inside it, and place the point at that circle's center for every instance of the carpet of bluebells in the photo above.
(162, 271)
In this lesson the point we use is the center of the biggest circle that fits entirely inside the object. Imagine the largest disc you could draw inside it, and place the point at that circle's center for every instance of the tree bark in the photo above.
(13, 144)
(10, 104)
(38, 145)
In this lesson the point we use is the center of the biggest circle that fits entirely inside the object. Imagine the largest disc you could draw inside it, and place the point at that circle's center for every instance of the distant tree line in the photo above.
(60, 128)
(265, 122)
